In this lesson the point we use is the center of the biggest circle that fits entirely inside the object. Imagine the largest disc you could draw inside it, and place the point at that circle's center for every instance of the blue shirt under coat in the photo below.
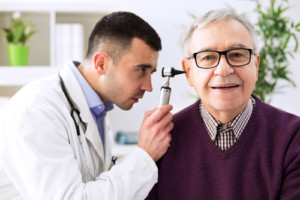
(97, 107)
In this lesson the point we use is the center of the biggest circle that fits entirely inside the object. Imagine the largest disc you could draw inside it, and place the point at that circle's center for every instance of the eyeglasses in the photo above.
(210, 59)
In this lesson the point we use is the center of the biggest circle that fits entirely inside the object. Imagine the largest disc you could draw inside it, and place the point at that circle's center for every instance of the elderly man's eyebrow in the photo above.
(238, 46)
(206, 49)
(235, 46)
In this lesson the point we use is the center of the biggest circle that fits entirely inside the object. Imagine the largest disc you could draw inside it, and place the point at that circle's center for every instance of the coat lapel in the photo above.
(108, 144)
(76, 94)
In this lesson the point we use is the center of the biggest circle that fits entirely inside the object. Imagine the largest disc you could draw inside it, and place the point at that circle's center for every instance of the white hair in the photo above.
(215, 16)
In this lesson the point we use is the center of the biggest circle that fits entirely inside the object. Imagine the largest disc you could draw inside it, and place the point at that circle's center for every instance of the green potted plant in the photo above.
(16, 36)
(279, 36)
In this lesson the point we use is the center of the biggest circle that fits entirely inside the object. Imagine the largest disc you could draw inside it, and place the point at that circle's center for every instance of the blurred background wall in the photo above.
(169, 18)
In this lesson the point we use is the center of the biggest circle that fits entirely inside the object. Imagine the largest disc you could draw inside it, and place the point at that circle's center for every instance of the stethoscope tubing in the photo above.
(72, 113)
(73, 108)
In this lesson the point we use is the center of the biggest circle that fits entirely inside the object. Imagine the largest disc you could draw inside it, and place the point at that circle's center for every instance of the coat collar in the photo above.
(78, 98)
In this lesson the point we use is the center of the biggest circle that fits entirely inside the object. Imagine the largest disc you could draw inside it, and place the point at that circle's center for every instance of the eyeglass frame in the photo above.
(194, 55)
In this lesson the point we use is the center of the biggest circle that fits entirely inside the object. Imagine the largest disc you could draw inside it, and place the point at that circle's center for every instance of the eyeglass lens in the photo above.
(235, 57)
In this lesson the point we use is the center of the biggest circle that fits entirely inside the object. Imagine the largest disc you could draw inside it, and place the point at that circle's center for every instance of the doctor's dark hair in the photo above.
(114, 33)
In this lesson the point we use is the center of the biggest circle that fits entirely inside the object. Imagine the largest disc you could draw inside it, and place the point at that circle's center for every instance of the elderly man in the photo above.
(229, 144)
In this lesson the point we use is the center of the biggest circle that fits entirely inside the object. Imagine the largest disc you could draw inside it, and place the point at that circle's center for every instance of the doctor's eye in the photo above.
(142, 69)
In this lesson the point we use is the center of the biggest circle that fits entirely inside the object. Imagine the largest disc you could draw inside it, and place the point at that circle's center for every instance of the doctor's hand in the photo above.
(155, 134)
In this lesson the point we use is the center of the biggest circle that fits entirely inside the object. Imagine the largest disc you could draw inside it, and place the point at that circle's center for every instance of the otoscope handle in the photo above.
(164, 98)
(165, 91)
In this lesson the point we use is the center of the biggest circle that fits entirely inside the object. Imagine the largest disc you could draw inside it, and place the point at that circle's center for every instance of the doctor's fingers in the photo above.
(157, 127)
(165, 142)
(163, 129)
(149, 112)
(165, 135)
(159, 113)
(165, 121)
(168, 128)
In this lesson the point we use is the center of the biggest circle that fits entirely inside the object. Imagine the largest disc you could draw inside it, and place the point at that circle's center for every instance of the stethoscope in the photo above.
(75, 112)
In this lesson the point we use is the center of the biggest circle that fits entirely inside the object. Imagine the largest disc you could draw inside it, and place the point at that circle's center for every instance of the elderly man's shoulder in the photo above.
(188, 112)
(274, 113)
(275, 122)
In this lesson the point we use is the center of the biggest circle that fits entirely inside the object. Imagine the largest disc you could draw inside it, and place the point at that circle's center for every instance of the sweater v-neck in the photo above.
(198, 123)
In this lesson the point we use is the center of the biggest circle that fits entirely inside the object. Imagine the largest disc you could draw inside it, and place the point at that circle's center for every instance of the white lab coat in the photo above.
(41, 156)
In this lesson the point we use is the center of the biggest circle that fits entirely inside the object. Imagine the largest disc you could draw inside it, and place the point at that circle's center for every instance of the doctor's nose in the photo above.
(147, 85)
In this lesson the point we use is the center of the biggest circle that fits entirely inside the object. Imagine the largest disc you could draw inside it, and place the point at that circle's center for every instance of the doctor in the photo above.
(54, 142)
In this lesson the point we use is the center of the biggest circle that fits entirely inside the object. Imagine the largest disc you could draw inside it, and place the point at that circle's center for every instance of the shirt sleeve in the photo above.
(136, 174)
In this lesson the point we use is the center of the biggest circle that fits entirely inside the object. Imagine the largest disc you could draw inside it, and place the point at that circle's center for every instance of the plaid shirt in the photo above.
(225, 135)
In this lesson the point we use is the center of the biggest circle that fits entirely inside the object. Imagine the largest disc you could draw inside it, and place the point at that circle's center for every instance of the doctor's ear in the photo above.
(187, 68)
(100, 60)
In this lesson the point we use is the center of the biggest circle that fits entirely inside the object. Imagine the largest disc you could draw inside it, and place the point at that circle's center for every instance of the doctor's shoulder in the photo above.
(44, 94)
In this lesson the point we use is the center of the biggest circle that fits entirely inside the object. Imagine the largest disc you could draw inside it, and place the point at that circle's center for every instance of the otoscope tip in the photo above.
(170, 72)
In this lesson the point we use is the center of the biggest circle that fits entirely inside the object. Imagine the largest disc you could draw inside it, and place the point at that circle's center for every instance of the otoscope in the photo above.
(165, 90)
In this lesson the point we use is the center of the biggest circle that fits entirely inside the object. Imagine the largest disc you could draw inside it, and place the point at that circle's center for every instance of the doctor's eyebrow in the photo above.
(145, 66)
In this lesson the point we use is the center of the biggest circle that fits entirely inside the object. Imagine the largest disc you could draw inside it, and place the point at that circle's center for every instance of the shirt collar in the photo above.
(94, 101)
(238, 123)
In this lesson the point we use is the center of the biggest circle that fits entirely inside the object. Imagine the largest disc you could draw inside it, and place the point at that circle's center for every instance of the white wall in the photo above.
(168, 17)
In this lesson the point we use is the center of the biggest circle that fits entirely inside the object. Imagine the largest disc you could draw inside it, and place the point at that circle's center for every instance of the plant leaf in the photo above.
(296, 42)
(192, 15)
(18, 32)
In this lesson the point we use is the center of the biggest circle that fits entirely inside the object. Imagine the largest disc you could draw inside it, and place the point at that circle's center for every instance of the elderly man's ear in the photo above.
(257, 61)
(187, 68)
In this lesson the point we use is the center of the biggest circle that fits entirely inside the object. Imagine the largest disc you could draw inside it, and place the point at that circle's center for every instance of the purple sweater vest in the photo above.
(264, 163)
